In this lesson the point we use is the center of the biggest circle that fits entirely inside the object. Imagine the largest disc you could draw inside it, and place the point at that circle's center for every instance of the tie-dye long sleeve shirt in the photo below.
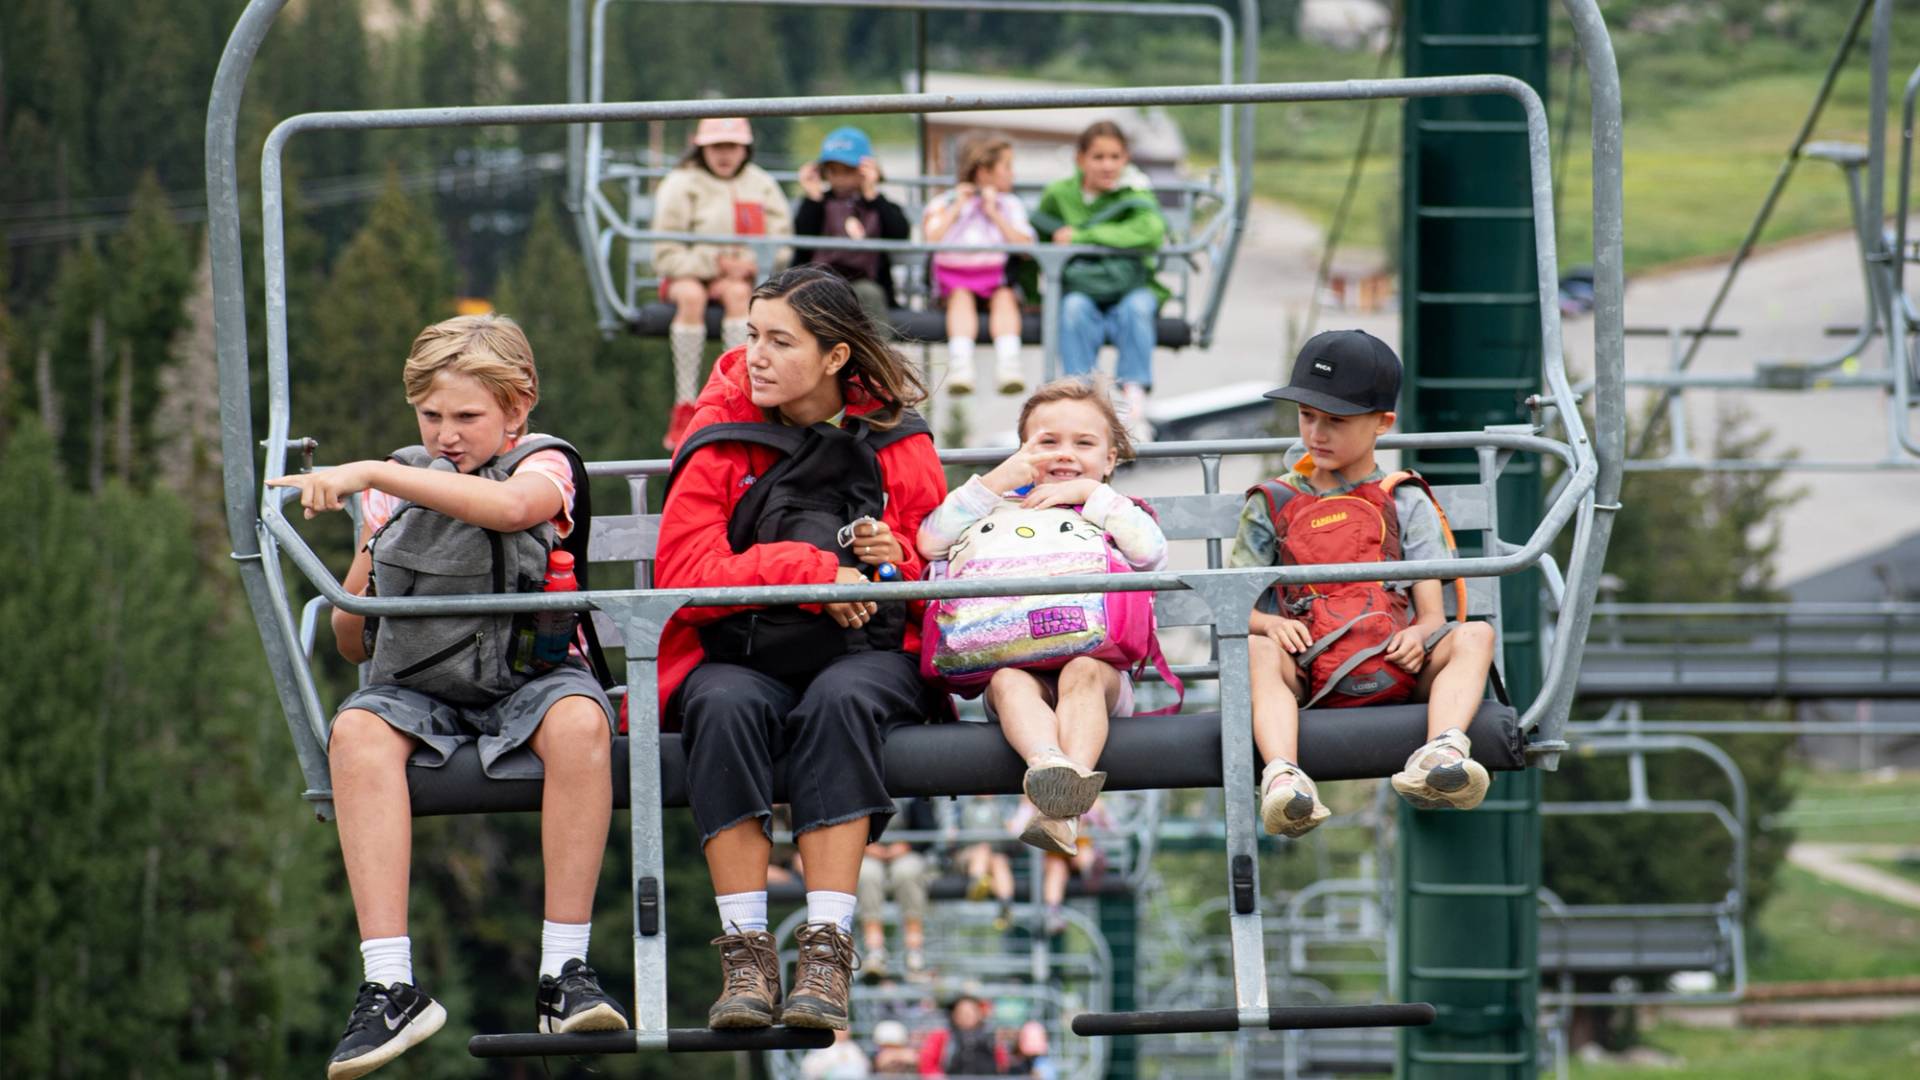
(1136, 535)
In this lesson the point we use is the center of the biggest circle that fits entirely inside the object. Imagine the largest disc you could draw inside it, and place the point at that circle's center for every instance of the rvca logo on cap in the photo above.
(1322, 367)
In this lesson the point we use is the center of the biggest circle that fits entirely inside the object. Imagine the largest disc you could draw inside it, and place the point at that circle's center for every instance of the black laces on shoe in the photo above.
(581, 980)
(369, 1005)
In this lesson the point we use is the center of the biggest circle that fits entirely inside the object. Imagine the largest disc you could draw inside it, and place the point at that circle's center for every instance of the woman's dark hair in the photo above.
(1102, 129)
(694, 157)
(830, 312)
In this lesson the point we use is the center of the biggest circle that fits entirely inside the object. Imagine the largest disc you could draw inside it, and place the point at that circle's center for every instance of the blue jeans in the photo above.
(1129, 323)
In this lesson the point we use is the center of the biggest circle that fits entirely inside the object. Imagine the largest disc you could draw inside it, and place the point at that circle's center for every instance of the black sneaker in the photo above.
(386, 1022)
(575, 1002)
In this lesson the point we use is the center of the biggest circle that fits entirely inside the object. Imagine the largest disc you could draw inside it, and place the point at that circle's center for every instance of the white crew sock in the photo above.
(688, 344)
(733, 333)
(960, 351)
(1006, 347)
(742, 912)
(561, 942)
(388, 960)
(832, 907)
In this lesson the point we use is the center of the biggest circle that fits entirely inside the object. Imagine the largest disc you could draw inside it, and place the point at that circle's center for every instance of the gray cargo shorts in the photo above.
(501, 729)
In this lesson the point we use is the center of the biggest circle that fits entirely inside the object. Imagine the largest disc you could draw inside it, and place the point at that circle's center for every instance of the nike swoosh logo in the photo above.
(560, 1004)
(393, 1021)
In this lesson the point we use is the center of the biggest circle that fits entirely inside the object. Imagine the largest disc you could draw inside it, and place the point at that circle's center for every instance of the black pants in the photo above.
(737, 723)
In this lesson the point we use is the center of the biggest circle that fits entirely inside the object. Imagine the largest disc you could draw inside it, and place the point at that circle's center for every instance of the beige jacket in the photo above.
(691, 199)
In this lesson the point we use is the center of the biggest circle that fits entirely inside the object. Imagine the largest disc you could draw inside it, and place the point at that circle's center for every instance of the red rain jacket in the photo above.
(693, 549)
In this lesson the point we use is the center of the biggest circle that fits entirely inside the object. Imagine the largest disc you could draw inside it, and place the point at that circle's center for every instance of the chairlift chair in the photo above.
(1201, 750)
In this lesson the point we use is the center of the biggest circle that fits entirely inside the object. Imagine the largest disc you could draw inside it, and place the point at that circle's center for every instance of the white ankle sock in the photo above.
(687, 344)
(831, 907)
(388, 960)
(1007, 348)
(561, 942)
(742, 911)
(733, 332)
(960, 350)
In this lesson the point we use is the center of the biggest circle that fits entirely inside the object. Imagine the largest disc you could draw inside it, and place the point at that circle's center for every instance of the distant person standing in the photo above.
(1108, 298)
(841, 198)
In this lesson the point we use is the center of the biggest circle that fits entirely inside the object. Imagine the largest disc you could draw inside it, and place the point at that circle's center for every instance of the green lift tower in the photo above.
(1468, 928)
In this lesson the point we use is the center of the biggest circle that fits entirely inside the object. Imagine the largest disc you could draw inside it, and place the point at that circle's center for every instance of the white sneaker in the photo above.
(960, 375)
(1007, 372)
(1138, 429)
(1058, 835)
(1289, 803)
(1060, 788)
(1442, 774)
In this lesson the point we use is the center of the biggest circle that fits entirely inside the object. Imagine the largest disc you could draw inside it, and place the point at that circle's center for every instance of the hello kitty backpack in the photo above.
(967, 639)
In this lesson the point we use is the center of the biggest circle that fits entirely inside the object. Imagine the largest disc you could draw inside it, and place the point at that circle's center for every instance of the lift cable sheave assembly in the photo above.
(261, 533)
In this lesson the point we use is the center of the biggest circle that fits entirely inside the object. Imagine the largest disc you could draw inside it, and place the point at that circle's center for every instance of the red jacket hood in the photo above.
(730, 398)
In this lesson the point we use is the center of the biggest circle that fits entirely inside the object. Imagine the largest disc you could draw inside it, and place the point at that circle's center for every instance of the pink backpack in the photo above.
(967, 639)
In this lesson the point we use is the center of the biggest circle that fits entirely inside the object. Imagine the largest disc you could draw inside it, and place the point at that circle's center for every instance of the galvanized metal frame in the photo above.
(260, 532)
(599, 222)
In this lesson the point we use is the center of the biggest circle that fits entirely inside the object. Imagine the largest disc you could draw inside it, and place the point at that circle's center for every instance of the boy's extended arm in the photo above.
(1429, 605)
(519, 502)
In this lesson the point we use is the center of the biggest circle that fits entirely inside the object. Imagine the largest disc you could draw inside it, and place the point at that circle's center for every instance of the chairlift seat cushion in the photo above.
(1143, 753)
(908, 325)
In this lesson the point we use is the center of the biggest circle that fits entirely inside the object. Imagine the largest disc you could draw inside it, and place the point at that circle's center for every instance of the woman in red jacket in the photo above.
(823, 690)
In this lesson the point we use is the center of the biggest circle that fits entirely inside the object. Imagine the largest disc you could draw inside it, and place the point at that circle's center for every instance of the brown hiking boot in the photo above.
(821, 978)
(750, 981)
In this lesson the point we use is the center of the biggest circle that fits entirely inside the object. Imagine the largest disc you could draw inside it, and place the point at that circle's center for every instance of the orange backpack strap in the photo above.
(1393, 481)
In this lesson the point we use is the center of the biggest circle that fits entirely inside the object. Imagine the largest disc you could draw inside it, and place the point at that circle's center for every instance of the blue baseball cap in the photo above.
(847, 145)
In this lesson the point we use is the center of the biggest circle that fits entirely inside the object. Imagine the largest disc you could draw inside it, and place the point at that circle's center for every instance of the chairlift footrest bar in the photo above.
(1279, 1018)
(679, 1040)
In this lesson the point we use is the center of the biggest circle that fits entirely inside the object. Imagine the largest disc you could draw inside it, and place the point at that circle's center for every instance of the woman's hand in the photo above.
(328, 490)
(810, 183)
(1063, 235)
(1063, 493)
(874, 543)
(855, 614)
(1408, 650)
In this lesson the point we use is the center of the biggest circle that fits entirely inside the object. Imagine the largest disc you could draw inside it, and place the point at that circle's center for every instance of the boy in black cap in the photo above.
(1355, 643)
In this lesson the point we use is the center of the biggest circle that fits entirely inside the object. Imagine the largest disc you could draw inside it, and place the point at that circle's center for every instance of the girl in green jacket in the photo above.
(1108, 298)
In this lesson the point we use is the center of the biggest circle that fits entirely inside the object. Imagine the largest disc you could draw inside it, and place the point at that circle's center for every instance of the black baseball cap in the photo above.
(1344, 372)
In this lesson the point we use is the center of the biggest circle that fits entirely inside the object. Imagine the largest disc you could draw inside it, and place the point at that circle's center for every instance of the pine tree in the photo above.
(151, 274)
(72, 379)
(389, 283)
(546, 293)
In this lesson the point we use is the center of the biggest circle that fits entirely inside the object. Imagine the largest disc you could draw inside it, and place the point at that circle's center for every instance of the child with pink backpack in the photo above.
(1054, 668)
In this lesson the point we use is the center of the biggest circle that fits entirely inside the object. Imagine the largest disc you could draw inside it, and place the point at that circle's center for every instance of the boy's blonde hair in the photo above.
(1078, 390)
(489, 348)
(979, 151)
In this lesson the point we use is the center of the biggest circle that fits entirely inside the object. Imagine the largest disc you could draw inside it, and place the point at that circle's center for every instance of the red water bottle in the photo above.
(553, 630)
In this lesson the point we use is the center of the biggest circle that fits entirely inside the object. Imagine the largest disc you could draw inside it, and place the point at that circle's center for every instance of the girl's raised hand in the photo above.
(328, 489)
(869, 178)
(1022, 468)
(1063, 493)
(810, 182)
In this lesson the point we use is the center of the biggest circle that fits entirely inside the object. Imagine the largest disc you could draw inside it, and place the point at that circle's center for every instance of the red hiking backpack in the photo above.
(1350, 621)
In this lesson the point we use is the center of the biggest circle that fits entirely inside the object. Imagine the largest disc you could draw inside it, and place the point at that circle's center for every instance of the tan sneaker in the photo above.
(1059, 788)
(1289, 803)
(821, 979)
(1007, 371)
(1442, 774)
(1056, 834)
(960, 376)
(750, 982)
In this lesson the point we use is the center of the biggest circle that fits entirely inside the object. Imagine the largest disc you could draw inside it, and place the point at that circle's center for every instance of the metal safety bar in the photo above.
(258, 529)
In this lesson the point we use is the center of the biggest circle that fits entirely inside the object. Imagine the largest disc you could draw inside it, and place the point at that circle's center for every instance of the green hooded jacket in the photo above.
(1130, 213)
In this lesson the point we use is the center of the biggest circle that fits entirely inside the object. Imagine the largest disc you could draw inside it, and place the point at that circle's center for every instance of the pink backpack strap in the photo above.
(1159, 661)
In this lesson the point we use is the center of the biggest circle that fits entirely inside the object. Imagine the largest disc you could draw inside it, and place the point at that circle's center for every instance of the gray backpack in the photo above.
(468, 660)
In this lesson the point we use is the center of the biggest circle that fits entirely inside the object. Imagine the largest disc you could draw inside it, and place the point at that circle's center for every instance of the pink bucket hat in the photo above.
(727, 129)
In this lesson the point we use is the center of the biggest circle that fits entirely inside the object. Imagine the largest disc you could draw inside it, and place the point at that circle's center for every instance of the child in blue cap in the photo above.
(843, 198)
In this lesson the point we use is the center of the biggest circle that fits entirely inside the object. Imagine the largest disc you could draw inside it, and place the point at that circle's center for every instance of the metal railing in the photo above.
(1801, 650)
